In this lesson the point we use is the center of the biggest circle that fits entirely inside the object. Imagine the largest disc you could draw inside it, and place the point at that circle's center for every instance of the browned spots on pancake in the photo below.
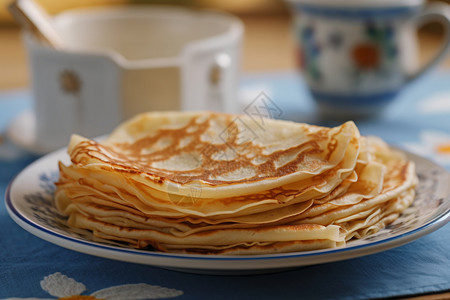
(130, 158)
(365, 187)
(396, 174)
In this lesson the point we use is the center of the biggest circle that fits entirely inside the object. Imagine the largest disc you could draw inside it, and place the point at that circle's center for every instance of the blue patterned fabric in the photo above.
(418, 121)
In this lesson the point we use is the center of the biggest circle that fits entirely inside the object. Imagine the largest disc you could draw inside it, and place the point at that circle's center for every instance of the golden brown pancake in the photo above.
(215, 183)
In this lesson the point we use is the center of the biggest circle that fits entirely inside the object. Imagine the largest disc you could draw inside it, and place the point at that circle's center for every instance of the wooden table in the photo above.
(268, 46)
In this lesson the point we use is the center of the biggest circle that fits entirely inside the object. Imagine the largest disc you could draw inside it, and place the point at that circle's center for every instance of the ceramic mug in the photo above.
(356, 56)
(120, 61)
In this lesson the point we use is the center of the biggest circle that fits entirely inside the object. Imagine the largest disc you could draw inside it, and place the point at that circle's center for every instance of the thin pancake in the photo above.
(171, 152)
(213, 183)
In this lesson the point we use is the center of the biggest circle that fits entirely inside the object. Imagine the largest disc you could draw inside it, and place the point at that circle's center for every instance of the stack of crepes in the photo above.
(210, 183)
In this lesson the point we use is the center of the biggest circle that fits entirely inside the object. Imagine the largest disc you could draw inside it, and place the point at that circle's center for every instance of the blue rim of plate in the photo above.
(435, 223)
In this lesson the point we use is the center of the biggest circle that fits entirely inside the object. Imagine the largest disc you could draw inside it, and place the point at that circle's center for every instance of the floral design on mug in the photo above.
(366, 56)
(370, 55)
(309, 53)
(335, 40)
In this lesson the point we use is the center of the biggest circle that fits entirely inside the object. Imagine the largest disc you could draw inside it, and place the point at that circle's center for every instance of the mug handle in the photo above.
(433, 12)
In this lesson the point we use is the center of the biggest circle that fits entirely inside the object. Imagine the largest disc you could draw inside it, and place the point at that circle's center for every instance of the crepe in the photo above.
(211, 183)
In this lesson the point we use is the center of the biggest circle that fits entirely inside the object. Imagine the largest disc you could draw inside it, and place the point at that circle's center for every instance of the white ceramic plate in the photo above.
(29, 203)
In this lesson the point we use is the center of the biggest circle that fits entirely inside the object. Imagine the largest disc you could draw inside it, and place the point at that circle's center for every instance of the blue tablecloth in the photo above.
(419, 121)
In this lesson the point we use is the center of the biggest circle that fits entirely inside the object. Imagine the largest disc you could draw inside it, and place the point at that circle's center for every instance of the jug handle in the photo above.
(439, 12)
